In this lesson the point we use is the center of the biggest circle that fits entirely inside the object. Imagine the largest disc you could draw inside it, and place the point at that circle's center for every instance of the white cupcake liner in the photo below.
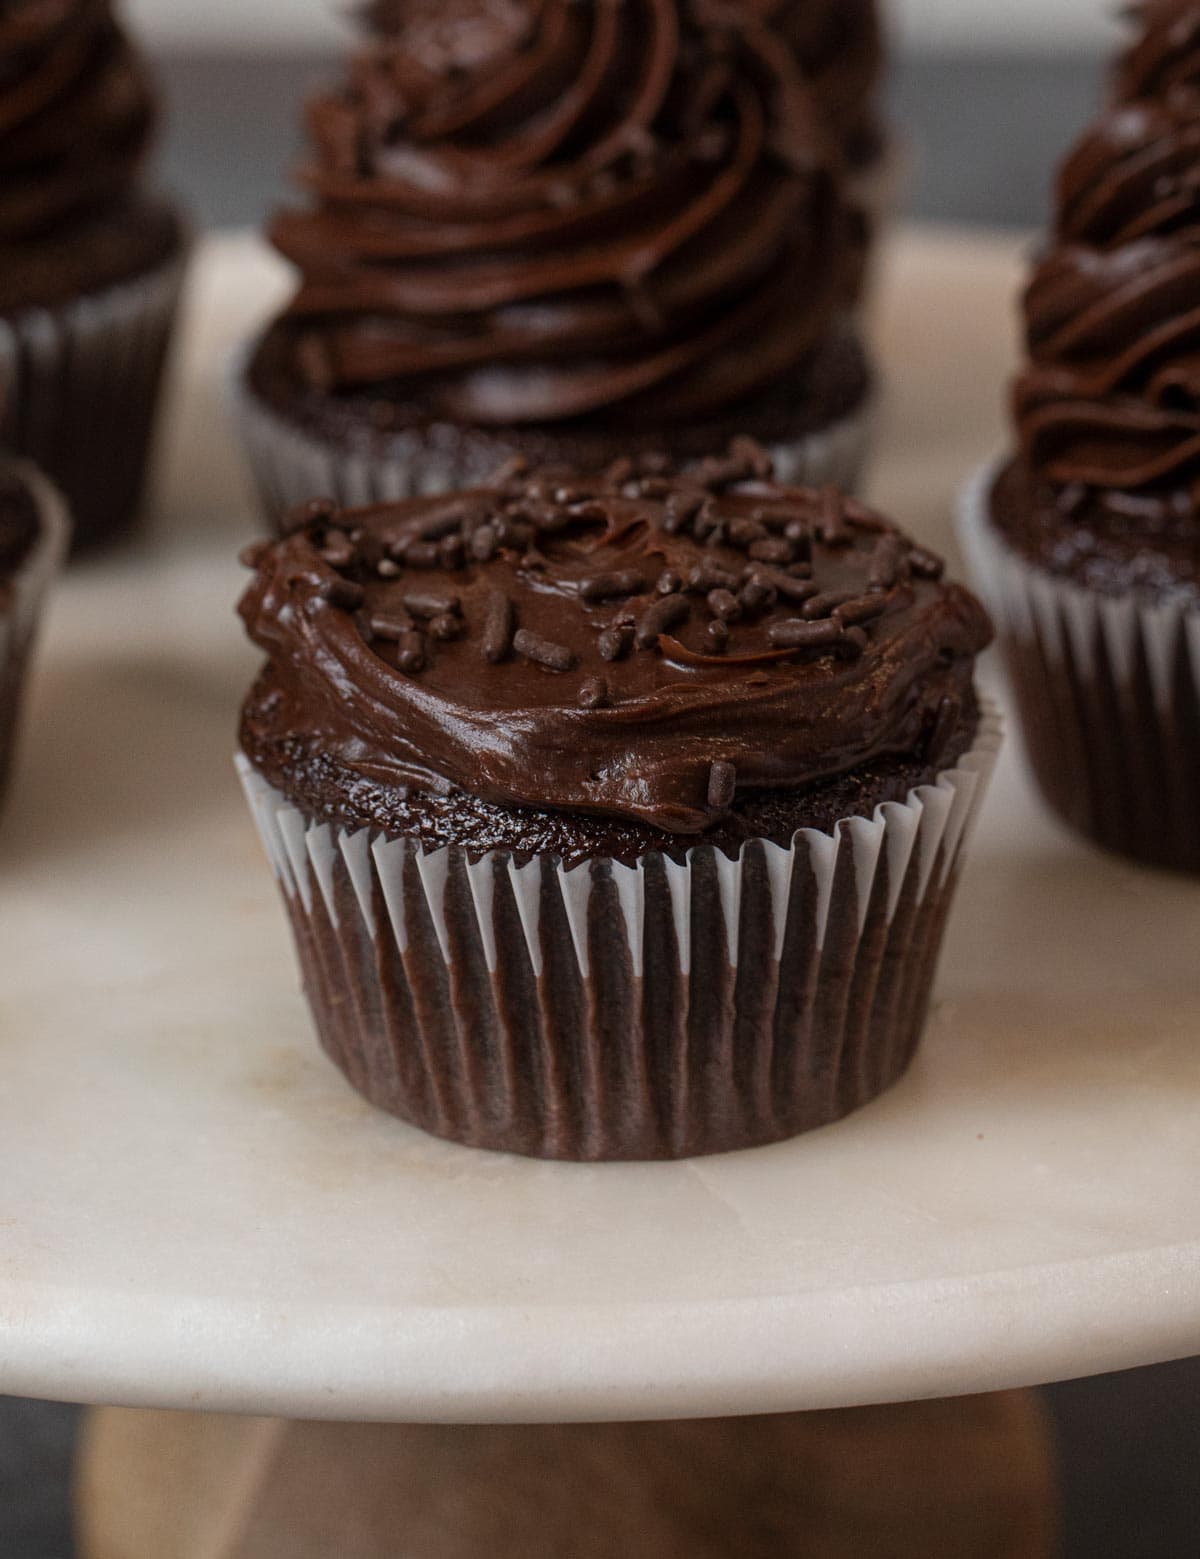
(1109, 694)
(19, 614)
(608, 1011)
(292, 466)
(78, 389)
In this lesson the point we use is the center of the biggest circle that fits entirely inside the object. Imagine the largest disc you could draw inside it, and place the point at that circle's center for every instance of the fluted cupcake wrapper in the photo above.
(79, 386)
(613, 1012)
(1108, 689)
(19, 614)
(292, 466)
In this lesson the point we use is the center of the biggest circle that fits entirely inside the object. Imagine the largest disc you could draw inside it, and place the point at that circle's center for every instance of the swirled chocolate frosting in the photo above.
(643, 645)
(1108, 406)
(1111, 396)
(527, 211)
(1164, 59)
(76, 114)
(840, 47)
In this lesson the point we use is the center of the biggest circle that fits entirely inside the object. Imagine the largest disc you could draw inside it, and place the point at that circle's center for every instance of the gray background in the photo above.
(983, 135)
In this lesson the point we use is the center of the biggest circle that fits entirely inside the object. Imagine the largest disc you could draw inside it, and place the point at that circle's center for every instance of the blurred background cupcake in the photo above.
(616, 816)
(1087, 542)
(567, 232)
(90, 263)
(841, 48)
(33, 541)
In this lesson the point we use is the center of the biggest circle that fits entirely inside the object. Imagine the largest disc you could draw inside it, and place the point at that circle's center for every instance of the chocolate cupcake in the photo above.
(33, 541)
(615, 817)
(1087, 542)
(90, 265)
(564, 231)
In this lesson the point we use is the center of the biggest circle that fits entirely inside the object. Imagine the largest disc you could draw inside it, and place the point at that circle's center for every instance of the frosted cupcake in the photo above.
(1087, 542)
(90, 264)
(565, 232)
(616, 817)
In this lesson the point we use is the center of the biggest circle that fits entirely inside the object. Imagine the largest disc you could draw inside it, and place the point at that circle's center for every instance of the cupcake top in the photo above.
(76, 118)
(643, 645)
(527, 211)
(1108, 406)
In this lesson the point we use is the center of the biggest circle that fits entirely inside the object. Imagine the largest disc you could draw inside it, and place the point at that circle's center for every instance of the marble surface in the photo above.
(195, 1210)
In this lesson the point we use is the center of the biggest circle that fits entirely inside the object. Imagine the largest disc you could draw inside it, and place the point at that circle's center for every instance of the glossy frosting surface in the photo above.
(640, 646)
(529, 211)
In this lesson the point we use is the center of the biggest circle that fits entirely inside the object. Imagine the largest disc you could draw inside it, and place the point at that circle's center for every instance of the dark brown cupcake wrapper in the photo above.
(79, 388)
(612, 1012)
(292, 466)
(1108, 689)
(20, 614)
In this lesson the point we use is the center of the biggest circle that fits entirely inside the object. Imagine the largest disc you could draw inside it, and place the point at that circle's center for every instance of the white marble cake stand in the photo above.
(196, 1211)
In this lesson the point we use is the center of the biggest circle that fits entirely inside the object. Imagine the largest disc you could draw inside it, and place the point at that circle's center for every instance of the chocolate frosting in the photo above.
(527, 211)
(1108, 409)
(641, 645)
(1164, 59)
(76, 114)
(840, 47)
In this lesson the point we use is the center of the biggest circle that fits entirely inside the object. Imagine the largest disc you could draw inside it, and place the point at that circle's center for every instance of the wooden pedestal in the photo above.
(964, 1479)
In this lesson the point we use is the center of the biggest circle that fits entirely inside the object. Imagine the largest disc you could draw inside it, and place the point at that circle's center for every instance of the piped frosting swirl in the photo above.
(527, 211)
(1110, 400)
(1164, 59)
(76, 114)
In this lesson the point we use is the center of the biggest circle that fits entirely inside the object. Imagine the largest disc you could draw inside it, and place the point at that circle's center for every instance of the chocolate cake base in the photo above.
(363, 448)
(80, 372)
(607, 1012)
(1103, 653)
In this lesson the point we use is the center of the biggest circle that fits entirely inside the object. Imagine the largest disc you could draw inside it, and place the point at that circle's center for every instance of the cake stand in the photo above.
(195, 1211)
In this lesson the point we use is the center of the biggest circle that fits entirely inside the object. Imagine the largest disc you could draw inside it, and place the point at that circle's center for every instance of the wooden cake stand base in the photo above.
(970, 1478)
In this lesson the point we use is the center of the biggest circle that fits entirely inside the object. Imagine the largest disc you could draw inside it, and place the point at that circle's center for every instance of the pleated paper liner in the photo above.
(79, 387)
(613, 1012)
(19, 615)
(1108, 690)
(292, 466)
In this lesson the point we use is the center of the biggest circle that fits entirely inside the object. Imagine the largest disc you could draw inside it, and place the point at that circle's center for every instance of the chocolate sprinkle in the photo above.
(593, 694)
(725, 605)
(498, 627)
(824, 605)
(428, 604)
(390, 625)
(615, 642)
(861, 609)
(411, 655)
(446, 628)
(543, 652)
(664, 614)
(795, 634)
(606, 587)
(722, 786)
